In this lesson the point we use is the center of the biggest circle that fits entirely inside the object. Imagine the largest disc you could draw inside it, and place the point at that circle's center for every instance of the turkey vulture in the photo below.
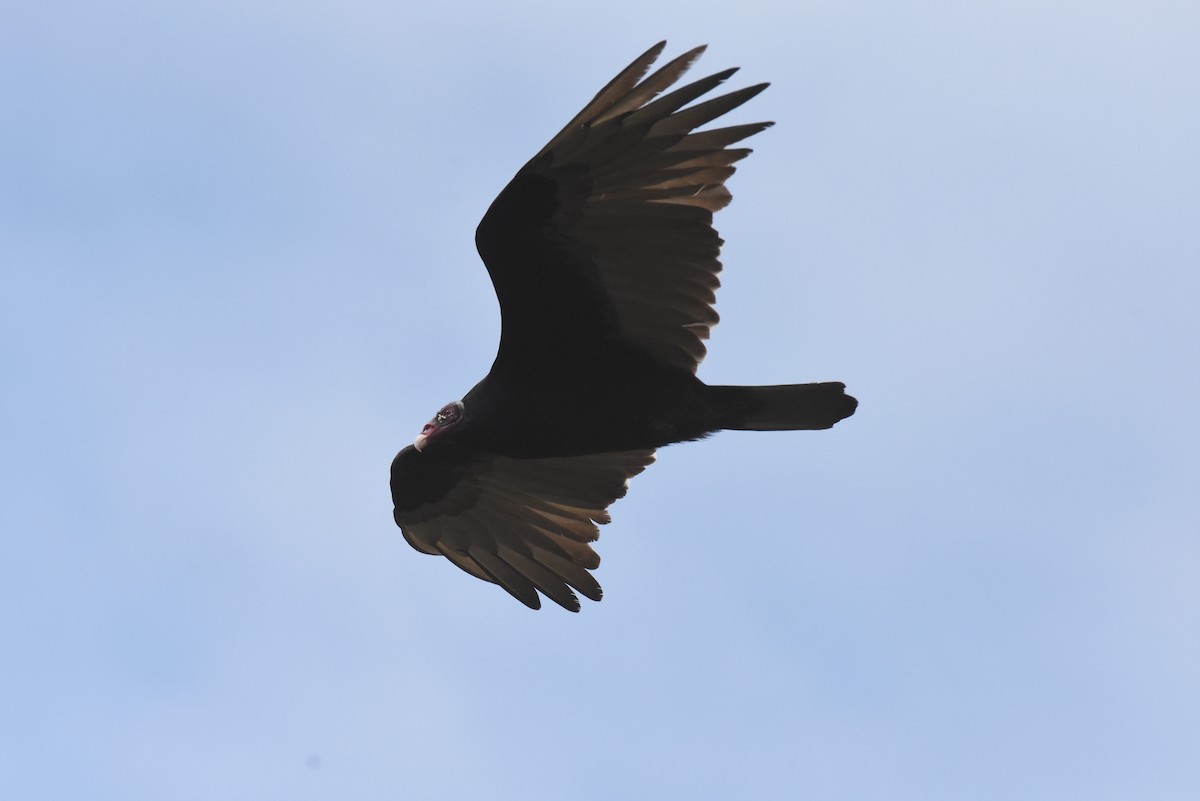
(605, 262)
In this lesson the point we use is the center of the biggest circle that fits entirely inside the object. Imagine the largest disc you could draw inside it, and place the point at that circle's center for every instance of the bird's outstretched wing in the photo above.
(607, 232)
(524, 524)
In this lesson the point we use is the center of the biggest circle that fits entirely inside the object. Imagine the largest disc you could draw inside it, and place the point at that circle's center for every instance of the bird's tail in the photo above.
(784, 407)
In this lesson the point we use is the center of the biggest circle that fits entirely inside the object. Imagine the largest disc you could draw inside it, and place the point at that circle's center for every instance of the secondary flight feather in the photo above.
(604, 260)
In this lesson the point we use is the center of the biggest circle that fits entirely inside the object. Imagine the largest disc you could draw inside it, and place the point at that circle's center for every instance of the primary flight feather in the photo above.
(604, 259)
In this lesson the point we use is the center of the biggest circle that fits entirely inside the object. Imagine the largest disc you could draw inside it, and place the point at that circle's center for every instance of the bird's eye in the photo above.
(447, 414)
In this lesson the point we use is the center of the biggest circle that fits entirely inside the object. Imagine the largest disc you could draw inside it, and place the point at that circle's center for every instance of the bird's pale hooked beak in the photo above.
(423, 438)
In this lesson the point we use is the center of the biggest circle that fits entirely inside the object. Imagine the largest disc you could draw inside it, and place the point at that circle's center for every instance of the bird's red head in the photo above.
(446, 418)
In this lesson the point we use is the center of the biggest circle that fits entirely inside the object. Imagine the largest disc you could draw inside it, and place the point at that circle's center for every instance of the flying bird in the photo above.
(604, 260)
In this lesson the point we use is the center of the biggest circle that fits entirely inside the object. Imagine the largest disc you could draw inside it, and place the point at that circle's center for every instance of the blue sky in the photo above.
(239, 274)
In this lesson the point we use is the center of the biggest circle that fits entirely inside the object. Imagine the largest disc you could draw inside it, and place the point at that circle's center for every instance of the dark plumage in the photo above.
(605, 263)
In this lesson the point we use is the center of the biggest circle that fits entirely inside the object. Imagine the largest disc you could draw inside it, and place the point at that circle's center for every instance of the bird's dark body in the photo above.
(604, 261)
(619, 401)
(605, 407)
